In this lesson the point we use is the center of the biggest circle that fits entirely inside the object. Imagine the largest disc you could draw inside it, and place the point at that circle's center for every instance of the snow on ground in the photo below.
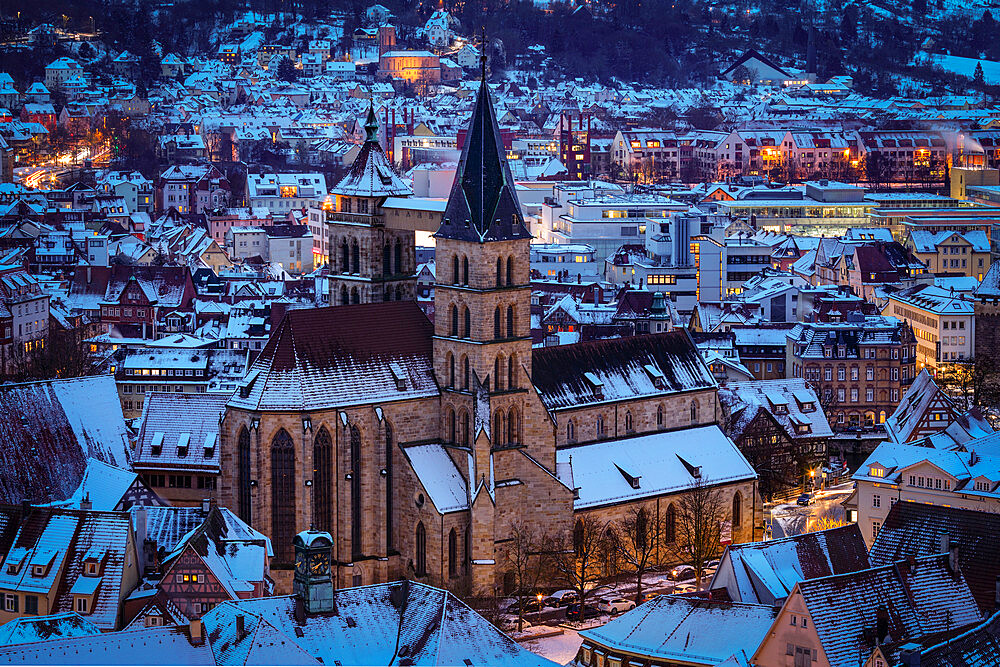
(965, 66)
(560, 648)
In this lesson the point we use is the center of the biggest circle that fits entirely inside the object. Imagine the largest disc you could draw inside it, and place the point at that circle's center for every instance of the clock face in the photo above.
(300, 563)
(320, 564)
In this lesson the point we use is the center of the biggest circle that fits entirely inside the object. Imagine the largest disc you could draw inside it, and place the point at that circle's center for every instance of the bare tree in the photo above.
(700, 513)
(577, 563)
(523, 557)
(637, 541)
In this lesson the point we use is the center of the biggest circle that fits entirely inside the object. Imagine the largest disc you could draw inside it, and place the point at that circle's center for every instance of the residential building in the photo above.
(280, 193)
(943, 322)
(966, 254)
(291, 247)
(192, 189)
(26, 327)
(61, 70)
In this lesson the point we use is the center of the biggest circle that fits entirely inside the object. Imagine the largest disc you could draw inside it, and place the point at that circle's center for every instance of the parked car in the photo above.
(531, 604)
(805, 499)
(646, 597)
(685, 588)
(682, 572)
(573, 612)
(561, 598)
(615, 605)
(712, 565)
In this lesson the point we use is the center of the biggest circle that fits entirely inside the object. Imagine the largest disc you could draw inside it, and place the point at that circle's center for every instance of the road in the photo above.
(48, 173)
(791, 519)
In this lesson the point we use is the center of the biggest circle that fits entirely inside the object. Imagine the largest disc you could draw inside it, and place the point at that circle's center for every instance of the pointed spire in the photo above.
(482, 56)
(371, 124)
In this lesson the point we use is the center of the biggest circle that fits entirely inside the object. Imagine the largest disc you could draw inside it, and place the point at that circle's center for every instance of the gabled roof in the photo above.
(30, 629)
(976, 647)
(751, 54)
(483, 202)
(904, 420)
(764, 572)
(170, 420)
(342, 355)
(150, 646)
(673, 628)
(919, 597)
(567, 376)
(918, 529)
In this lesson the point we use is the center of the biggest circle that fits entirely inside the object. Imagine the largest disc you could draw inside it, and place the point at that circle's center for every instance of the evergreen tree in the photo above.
(286, 70)
(977, 76)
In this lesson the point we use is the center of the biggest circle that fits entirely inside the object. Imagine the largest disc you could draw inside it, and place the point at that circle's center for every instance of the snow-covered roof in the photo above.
(439, 477)
(170, 420)
(31, 629)
(658, 463)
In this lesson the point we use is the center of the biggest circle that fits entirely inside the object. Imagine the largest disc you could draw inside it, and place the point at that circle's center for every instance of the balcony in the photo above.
(355, 218)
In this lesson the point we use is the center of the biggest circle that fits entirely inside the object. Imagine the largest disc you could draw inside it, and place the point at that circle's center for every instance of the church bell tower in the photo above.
(313, 582)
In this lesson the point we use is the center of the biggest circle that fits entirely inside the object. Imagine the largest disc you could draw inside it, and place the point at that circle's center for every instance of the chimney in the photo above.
(85, 504)
(881, 624)
(953, 565)
(241, 630)
(945, 543)
(196, 632)
(139, 528)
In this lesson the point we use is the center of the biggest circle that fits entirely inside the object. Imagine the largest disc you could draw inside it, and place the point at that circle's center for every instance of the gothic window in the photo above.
(345, 257)
(399, 257)
(659, 415)
(355, 296)
(243, 463)
(496, 322)
(498, 428)
(600, 426)
(388, 488)
(737, 509)
(454, 320)
(454, 270)
(628, 420)
(499, 272)
(465, 428)
(451, 370)
(510, 372)
(694, 411)
(356, 534)
(465, 372)
(513, 427)
(510, 270)
(510, 321)
(465, 270)
(452, 553)
(578, 537)
(344, 296)
(421, 560)
(322, 477)
(355, 258)
(282, 495)
(670, 525)
(570, 435)
(386, 260)
(451, 425)
(498, 369)
(468, 322)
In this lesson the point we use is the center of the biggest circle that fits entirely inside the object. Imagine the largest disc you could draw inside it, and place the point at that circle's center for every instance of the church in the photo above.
(417, 444)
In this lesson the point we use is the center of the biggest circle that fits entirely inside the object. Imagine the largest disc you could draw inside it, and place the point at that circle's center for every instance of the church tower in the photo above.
(482, 296)
(369, 263)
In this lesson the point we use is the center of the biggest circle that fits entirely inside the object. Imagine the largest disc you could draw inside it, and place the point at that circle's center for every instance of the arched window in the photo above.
(454, 320)
(399, 257)
(694, 411)
(451, 426)
(670, 525)
(355, 258)
(451, 370)
(513, 427)
(355, 296)
(498, 369)
(628, 420)
(465, 270)
(881, 417)
(496, 322)
(659, 416)
(452, 553)
(322, 478)
(465, 372)
(641, 528)
(498, 428)
(356, 527)
(282, 495)
(510, 270)
(499, 272)
(510, 372)
(510, 321)
(468, 322)
(570, 435)
(389, 504)
(345, 257)
(600, 426)
(578, 537)
(345, 298)
(465, 428)
(421, 560)
(387, 260)
(737, 509)
(243, 464)
(454, 269)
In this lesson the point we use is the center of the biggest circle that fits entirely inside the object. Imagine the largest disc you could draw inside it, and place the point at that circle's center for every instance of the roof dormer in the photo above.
(596, 385)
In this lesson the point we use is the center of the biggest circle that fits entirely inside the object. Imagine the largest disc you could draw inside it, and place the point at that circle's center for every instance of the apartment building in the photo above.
(942, 320)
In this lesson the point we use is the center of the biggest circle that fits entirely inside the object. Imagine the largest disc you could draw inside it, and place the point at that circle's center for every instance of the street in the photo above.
(791, 519)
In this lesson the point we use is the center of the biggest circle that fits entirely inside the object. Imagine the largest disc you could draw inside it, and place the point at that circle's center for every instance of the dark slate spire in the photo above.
(482, 205)
(371, 125)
